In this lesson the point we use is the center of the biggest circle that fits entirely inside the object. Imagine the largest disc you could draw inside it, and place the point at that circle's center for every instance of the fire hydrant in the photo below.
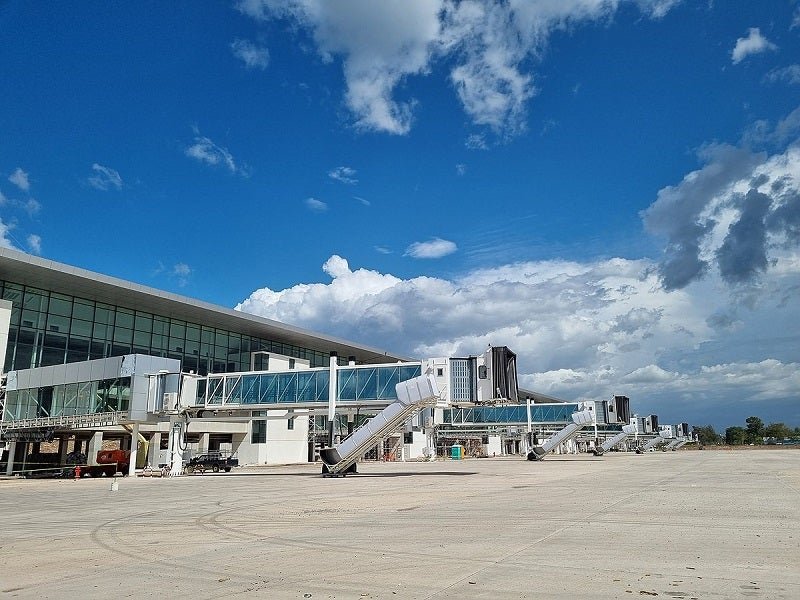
(77, 471)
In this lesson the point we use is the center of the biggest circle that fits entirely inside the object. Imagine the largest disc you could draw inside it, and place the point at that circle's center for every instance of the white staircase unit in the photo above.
(627, 430)
(412, 395)
(580, 420)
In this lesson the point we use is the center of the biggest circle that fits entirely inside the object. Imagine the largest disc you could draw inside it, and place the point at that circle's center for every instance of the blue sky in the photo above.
(608, 187)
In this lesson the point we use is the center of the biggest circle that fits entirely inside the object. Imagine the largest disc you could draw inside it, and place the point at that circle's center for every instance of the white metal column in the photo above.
(134, 450)
(12, 450)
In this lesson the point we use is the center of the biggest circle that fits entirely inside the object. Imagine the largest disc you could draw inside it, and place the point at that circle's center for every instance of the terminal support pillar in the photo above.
(62, 449)
(154, 452)
(12, 450)
(333, 388)
(202, 445)
(134, 450)
(95, 445)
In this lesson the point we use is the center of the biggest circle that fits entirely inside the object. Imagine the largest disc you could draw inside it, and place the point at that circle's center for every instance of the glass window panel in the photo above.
(221, 338)
(98, 349)
(160, 325)
(306, 387)
(58, 401)
(124, 318)
(120, 350)
(13, 293)
(233, 390)
(56, 341)
(259, 432)
(193, 333)
(191, 348)
(215, 389)
(207, 336)
(143, 322)
(250, 389)
(347, 384)
(28, 336)
(234, 342)
(71, 405)
(33, 319)
(104, 314)
(58, 323)
(101, 331)
(366, 384)
(190, 363)
(388, 377)
(123, 336)
(60, 305)
(77, 349)
(141, 338)
(175, 344)
(83, 309)
(16, 312)
(177, 329)
(35, 300)
(287, 383)
(83, 399)
(79, 327)
(268, 390)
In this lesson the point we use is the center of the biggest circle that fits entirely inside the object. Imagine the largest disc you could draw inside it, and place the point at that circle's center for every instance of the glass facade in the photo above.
(83, 398)
(374, 383)
(510, 415)
(48, 328)
(305, 386)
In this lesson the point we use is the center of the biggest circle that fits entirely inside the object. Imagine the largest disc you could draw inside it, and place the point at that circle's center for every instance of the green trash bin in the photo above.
(456, 452)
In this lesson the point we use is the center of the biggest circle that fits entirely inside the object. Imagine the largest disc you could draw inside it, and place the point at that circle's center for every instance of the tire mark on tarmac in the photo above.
(574, 523)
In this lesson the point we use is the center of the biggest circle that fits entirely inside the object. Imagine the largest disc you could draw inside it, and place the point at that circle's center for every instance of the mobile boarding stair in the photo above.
(412, 395)
(656, 441)
(627, 430)
(676, 443)
(579, 420)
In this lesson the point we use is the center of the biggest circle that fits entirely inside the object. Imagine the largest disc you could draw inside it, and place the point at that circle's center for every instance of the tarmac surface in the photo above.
(683, 524)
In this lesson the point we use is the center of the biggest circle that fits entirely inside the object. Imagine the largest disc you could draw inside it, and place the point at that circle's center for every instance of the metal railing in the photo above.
(103, 419)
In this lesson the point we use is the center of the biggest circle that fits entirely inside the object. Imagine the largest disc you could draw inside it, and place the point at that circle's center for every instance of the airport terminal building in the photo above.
(55, 317)
(93, 362)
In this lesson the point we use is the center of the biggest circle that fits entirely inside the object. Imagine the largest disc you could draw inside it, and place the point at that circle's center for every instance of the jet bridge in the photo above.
(412, 395)
(656, 441)
(580, 420)
(627, 430)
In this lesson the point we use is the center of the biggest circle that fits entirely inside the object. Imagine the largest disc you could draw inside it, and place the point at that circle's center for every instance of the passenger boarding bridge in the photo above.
(468, 397)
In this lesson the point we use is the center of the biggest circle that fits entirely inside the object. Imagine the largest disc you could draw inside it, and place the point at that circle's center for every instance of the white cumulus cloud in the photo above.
(343, 175)
(5, 240)
(754, 43)
(316, 205)
(35, 243)
(490, 49)
(789, 74)
(252, 55)
(581, 330)
(435, 248)
(105, 178)
(20, 179)
(206, 151)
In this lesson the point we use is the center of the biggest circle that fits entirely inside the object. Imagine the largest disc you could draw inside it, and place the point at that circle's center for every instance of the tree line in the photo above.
(754, 432)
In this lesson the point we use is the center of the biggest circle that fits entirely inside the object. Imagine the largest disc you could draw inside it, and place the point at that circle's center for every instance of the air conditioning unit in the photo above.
(170, 401)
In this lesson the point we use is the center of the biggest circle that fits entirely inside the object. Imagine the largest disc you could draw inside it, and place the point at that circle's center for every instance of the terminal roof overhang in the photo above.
(34, 271)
